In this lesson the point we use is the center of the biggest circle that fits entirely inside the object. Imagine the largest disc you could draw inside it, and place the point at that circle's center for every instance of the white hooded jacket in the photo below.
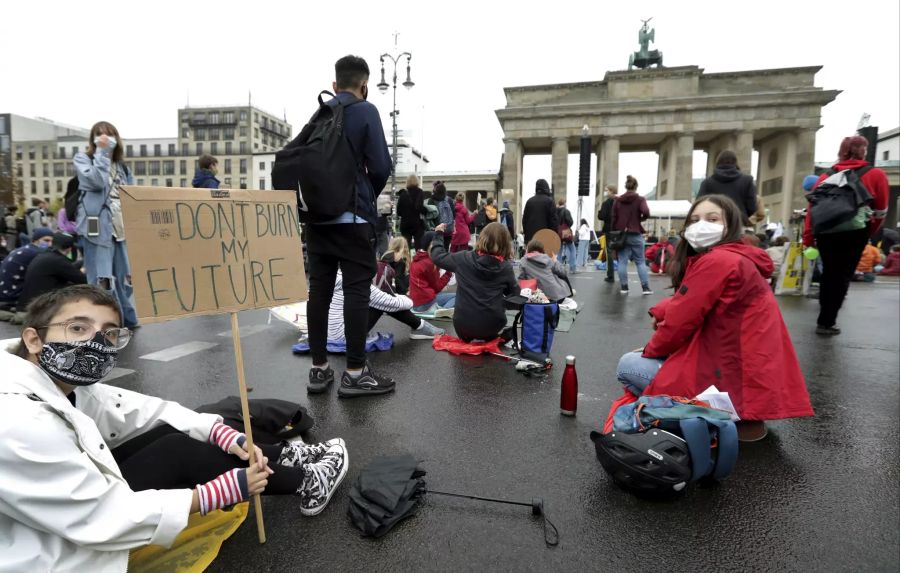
(64, 505)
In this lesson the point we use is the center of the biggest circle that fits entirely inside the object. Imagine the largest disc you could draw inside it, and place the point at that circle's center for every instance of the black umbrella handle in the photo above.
(551, 536)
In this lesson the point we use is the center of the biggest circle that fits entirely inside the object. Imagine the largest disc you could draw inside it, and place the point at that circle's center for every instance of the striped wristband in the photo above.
(225, 436)
(227, 489)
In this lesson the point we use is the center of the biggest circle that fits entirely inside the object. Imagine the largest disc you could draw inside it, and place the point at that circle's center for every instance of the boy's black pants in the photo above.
(352, 247)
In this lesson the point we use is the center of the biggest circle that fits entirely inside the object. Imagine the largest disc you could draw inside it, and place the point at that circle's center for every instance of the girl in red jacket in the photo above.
(722, 327)
(426, 281)
(461, 233)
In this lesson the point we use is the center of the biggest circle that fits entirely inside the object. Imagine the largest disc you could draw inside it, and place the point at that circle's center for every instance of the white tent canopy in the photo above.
(669, 209)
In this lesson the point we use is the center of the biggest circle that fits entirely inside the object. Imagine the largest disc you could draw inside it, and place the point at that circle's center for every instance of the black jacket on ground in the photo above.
(410, 205)
(605, 214)
(47, 272)
(482, 284)
(540, 213)
(729, 181)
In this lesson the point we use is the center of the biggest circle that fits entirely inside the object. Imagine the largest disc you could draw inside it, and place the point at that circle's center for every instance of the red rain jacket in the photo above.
(876, 184)
(723, 327)
(425, 280)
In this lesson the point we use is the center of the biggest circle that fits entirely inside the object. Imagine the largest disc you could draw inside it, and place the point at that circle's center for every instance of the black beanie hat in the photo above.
(427, 237)
(542, 187)
(62, 241)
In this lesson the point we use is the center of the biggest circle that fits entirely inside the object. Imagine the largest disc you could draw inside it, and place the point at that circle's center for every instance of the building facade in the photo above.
(38, 156)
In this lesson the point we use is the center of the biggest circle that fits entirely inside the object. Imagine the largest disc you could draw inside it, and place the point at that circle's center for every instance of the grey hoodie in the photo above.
(550, 276)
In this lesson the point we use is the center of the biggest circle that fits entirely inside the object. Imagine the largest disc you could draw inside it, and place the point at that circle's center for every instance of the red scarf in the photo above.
(483, 254)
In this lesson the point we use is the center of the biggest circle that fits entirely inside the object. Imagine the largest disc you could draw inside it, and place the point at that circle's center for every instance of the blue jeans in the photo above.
(636, 372)
(633, 251)
(442, 300)
(567, 254)
(583, 252)
(111, 262)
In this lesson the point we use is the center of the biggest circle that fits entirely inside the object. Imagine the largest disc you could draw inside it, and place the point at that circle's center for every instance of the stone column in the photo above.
(600, 184)
(684, 164)
(513, 157)
(559, 167)
(789, 177)
(743, 148)
(608, 165)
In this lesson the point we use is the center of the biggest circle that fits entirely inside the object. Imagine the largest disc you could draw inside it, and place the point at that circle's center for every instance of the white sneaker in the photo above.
(426, 331)
(443, 313)
(321, 479)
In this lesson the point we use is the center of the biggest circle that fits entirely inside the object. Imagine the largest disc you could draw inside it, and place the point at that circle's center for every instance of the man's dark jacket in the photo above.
(362, 127)
(540, 213)
(605, 214)
(729, 181)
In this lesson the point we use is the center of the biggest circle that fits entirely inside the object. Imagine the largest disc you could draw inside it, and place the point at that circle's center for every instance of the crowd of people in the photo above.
(90, 471)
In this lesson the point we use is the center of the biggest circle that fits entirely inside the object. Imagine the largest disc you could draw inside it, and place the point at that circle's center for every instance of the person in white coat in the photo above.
(90, 471)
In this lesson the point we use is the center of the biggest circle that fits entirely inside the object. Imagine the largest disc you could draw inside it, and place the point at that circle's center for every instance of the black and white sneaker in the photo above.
(645, 289)
(366, 384)
(623, 289)
(321, 479)
(319, 380)
(297, 453)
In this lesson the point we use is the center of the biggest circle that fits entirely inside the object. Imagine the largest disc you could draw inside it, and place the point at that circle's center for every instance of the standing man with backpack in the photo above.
(344, 136)
(841, 245)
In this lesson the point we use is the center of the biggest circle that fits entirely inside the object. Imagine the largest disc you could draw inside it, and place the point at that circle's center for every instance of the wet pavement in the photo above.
(819, 494)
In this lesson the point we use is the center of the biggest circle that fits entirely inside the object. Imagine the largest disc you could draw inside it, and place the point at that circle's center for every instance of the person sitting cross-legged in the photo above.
(90, 471)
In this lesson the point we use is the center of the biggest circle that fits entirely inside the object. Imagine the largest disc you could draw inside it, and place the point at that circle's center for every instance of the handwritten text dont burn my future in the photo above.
(234, 274)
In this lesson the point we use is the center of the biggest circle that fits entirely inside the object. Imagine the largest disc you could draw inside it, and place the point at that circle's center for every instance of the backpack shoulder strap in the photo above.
(863, 170)
(696, 434)
(727, 447)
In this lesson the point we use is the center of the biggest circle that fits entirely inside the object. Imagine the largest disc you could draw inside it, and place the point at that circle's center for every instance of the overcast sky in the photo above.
(136, 63)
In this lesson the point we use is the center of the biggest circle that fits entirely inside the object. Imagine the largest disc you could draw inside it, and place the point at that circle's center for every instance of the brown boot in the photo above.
(751, 430)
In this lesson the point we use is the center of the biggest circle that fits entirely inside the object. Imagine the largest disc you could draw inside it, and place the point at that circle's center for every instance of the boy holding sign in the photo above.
(90, 471)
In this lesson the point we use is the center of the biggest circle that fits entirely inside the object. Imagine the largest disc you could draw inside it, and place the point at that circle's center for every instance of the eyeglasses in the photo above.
(77, 331)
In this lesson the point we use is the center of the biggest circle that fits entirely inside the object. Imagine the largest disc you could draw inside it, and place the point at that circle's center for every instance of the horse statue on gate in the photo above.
(645, 57)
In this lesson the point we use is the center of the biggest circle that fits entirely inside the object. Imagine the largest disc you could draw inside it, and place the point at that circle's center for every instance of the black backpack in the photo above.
(840, 202)
(72, 198)
(320, 165)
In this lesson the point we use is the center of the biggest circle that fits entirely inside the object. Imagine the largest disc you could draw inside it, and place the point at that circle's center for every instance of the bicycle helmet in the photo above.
(655, 463)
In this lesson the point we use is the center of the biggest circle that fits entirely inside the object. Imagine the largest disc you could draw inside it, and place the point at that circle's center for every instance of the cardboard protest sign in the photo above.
(212, 251)
(795, 274)
(550, 239)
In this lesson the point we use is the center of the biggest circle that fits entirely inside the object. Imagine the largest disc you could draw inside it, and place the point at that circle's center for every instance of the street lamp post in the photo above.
(383, 87)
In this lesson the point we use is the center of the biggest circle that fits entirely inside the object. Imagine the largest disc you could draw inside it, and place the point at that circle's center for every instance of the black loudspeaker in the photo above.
(584, 168)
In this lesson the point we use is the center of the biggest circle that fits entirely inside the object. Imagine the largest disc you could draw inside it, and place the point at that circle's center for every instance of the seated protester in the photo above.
(865, 268)
(484, 279)
(380, 302)
(659, 254)
(90, 471)
(722, 326)
(892, 264)
(51, 270)
(777, 251)
(397, 257)
(15, 265)
(426, 282)
(550, 274)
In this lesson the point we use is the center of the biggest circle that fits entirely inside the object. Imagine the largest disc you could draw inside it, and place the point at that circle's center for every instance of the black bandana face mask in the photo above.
(78, 363)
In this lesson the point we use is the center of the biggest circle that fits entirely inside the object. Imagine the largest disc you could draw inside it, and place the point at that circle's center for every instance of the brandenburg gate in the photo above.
(671, 111)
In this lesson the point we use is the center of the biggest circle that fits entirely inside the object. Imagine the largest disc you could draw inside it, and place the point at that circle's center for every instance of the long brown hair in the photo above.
(104, 127)
(734, 229)
(495, 240)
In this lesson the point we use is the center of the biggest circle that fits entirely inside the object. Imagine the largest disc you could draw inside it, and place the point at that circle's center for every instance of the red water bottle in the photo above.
(568, 400)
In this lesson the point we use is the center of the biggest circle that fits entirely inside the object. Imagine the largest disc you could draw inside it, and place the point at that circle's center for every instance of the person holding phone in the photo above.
(101, 172)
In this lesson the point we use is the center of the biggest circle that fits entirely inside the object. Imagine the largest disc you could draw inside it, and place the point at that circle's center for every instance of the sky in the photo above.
(137, 63)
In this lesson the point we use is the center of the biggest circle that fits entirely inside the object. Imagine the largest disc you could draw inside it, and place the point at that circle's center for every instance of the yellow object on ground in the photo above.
(194, 548)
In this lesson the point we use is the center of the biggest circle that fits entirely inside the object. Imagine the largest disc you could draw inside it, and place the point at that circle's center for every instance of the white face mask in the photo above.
(703, 234)
(112, 142)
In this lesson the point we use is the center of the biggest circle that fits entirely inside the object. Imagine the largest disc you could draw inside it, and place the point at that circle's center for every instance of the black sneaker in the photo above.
(646, 290)
(828, 330)
(366, 384)
(623, 289)
(319, 380)
(609, 280)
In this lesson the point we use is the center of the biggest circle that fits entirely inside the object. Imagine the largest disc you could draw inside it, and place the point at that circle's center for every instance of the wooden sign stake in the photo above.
(245, 410)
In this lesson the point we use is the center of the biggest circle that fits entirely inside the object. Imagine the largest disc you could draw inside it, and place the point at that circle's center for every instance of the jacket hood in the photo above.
(487, 266)
(849, 164)
(755, 255)
(202, 176)
(727, 173)
(539, 260)
(629, 197)
(421, 255)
